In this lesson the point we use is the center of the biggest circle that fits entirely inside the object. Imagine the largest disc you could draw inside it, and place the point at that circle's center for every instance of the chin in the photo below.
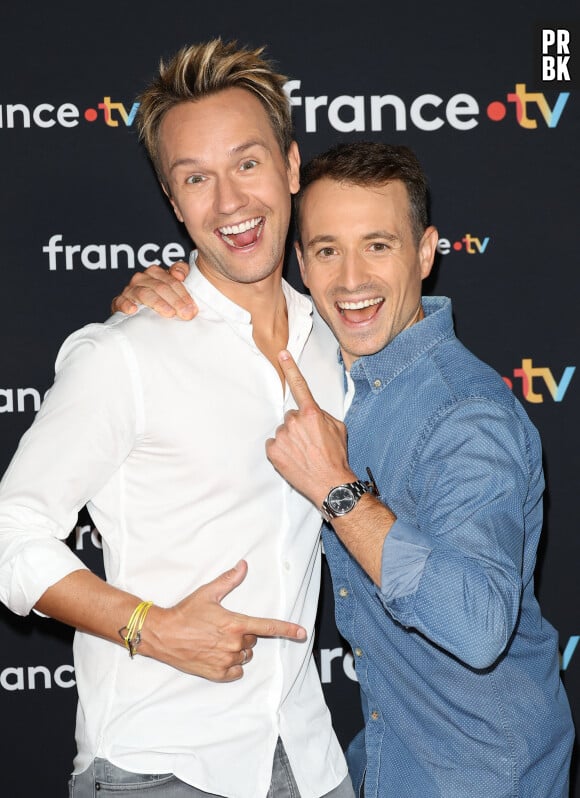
(358, 349)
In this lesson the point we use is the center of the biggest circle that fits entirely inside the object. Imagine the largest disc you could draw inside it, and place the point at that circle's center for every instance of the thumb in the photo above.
(228, 581)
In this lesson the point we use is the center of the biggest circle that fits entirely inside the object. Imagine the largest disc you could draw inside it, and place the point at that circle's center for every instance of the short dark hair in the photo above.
(371, 163)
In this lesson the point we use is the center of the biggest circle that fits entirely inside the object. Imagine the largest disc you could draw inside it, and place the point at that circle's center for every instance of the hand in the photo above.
(201, 637)
(159, 289)
(309, 449)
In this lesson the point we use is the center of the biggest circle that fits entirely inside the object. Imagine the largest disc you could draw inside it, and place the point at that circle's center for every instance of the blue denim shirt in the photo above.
(459, 672)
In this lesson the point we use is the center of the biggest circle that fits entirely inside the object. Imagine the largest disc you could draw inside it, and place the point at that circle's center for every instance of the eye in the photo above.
(379, 246)
(193, 180)
(247, 165)
(326, 252)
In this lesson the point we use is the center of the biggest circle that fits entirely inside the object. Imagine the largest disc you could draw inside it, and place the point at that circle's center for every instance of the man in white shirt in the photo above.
(160, 428)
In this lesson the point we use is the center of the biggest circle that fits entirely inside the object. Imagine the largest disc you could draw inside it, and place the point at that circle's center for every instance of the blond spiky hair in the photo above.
(203, 69)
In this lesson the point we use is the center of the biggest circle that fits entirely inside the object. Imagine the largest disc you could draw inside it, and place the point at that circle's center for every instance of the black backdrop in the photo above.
(462, 85)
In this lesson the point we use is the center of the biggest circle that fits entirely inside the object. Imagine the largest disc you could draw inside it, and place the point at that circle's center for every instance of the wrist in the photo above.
(343, 497)
(327, 484)
(151, 643)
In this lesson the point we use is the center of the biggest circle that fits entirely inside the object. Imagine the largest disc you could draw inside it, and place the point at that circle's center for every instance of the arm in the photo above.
(85, 429)
(159, 289)
(310, 451)
(456, 575)
(197, 635)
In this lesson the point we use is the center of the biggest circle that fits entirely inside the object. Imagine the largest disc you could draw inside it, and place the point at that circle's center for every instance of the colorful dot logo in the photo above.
(496, 111)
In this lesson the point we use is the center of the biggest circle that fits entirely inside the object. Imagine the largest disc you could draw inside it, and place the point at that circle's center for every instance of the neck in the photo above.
(264, 300)
(266, 304)
(270, 325)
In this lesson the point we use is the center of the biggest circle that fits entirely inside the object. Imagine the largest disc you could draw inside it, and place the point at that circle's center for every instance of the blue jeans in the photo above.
(103, 779)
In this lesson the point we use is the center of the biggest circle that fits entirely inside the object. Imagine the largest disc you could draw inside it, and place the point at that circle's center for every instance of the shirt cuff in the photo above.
(39, 565)
(405, 552)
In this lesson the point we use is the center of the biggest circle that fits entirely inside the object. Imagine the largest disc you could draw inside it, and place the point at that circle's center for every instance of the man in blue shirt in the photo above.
(433, 581)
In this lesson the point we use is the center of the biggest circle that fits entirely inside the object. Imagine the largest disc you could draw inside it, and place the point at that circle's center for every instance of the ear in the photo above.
(427, 249)
(294, 168)
(176, 210)
(300, 257)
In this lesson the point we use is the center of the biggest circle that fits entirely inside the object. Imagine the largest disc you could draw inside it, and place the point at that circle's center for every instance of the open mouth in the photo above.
(242, 235)
(362, 311)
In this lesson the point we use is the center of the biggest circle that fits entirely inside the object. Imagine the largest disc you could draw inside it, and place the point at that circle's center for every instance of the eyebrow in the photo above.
(238, 150)
(328, 238)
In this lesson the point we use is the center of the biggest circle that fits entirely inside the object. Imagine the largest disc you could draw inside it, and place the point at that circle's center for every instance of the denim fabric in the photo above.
(102, 779)
(459, 672)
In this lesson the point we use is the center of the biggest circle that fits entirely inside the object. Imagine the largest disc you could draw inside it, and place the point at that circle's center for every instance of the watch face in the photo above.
(341, 499)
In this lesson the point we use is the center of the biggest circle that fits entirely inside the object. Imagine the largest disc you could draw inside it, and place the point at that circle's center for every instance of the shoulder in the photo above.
(465, 376)
(94, 353)
(472, 400)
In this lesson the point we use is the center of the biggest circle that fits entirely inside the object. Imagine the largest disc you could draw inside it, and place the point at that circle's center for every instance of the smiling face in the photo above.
(230, 185)
(361, 263)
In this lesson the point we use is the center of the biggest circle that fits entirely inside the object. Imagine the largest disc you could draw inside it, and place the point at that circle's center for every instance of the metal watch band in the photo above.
(348, 493)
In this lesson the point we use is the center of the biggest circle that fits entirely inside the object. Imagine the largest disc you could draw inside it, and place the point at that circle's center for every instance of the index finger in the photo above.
(272, 627)
(296, 382)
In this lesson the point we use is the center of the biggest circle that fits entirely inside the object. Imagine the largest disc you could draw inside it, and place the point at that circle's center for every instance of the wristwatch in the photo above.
(343, 498)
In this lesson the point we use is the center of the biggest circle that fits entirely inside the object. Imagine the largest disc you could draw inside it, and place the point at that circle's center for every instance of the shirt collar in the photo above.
(201, 289)
(379, 369)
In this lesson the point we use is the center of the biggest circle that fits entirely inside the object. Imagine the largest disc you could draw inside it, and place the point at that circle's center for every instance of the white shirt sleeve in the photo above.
(86, 427)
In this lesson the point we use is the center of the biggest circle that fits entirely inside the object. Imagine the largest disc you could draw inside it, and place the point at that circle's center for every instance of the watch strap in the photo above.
(358, 489)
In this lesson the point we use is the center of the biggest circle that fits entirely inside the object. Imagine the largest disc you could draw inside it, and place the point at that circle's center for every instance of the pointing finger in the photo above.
(272, 627)
(296, 382)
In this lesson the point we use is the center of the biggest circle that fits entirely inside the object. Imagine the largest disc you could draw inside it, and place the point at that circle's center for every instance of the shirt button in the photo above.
(343, 592)
(375, 715)
(377, 383)
(287, 565)
(358, 651)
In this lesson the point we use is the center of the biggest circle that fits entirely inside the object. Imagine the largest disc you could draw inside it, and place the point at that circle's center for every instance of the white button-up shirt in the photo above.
(160, 426)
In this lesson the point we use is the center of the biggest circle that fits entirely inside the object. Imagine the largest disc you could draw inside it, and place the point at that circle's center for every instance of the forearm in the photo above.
(363, 531)
(197, 636)
(88, 603)
(466, 604)
(453, 563)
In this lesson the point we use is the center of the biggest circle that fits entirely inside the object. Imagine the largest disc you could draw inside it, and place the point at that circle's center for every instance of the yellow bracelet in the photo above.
(131, 634)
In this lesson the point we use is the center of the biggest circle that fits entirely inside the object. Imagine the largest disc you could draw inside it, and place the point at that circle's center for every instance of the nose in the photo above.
(229, 195)
(353, 271)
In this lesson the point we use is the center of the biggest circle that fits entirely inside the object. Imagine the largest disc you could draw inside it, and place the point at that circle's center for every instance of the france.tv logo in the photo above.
(345, 113)
(428, 112)
(112, 113)
(524, 101)
(534, 379)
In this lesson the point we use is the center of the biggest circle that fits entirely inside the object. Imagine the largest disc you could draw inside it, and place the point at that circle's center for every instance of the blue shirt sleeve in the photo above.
(455, 572)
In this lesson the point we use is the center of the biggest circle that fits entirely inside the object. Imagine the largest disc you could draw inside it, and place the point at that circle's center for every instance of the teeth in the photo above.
(232, 229)
(364, 303)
